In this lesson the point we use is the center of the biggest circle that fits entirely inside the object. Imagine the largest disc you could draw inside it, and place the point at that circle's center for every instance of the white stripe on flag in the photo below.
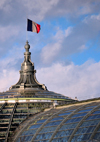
(34, 29)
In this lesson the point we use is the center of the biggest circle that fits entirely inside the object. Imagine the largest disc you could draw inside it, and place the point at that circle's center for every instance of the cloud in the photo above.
(95, 17)
(39, 8)
(12, 30)
(72, 80)
(83, 47)
(82, 33)
(17, 11)
(52, 50)
(12, 58)
(74, 8)
(8, 78)
(5, 5)
(71, 40)
(68, 31)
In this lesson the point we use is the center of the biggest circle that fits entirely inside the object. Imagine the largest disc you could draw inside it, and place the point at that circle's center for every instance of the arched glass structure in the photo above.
(73, 123)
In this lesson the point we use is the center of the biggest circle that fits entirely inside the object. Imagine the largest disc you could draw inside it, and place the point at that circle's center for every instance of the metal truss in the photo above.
(68, 117)
(79, 124)
(95, 130)
(40, 128)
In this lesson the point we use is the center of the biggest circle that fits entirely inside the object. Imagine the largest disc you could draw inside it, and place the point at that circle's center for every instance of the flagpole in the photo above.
(26, 33)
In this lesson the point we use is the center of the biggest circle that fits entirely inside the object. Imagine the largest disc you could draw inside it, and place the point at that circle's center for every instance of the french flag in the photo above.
(32, 26)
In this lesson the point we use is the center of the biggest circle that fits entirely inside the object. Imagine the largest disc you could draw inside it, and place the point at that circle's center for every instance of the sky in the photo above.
(66, 52)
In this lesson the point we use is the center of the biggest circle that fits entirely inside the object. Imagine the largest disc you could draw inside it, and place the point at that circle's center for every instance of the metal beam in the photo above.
(95, 130)
(40, 128)
(79, 124)
(2, 106)
(9, 126)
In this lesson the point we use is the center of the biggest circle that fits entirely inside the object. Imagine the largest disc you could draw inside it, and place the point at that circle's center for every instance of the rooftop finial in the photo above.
(27, 46)
(27, 74)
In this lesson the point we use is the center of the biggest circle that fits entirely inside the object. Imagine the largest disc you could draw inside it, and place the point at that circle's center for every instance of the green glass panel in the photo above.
(98, 129)
(68, 126)
(66, 113)
(85, 130)
(74, 120)
(29, 132)
(64, 139)
(41, 121)
(57, 118)
(63, 133)
(48, 129)
(97, 136)
(43, 136)
(35, 126)
(53, 123)
(24, 138)
(79, 115)
(93, 117)
(97, 112)
(85, 110)
(81, 137)
(90, 123)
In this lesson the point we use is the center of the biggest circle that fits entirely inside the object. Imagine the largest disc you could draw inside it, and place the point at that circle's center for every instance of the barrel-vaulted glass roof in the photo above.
(71, 123)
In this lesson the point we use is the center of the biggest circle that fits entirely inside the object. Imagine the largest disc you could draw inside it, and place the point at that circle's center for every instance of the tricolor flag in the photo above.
(32, 26)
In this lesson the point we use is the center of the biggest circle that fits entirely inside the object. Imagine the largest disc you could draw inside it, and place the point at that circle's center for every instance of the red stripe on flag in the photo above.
(38, 28)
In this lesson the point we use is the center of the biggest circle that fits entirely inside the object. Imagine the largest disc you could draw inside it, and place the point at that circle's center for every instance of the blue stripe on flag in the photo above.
(29, 25)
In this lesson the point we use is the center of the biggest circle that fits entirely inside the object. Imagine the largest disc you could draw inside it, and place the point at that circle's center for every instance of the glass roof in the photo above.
(77, 123)
(32, 94)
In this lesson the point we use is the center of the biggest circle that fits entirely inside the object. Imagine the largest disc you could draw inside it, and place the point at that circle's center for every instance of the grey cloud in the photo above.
(72, 80)
(16, 12)
(82, 33)
(74, 8)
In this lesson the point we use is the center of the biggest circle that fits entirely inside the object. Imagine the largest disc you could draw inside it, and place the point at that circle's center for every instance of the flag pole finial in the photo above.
(27, 46)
